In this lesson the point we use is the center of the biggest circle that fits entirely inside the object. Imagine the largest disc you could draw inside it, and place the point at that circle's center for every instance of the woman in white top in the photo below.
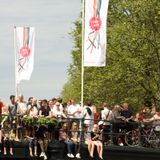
(21, 107)
(33, 108)
(33, 111)
(56, 112)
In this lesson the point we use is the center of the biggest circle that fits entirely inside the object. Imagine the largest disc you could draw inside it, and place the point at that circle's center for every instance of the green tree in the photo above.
(132, 73)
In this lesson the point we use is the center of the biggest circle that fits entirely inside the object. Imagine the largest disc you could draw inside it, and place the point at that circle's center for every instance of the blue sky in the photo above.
(53, 21)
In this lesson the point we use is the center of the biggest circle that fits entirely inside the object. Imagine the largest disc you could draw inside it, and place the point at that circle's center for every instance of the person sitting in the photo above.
(75, 138)
(96, 138)
(41, 134)
(7, 136)
(88, 141)
(64, 138)
(32, 141)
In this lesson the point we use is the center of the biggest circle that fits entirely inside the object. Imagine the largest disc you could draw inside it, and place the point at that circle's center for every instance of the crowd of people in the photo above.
(86, 124)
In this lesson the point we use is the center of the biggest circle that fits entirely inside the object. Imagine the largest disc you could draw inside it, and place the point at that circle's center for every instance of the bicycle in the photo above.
(131, 138)
(148, 135)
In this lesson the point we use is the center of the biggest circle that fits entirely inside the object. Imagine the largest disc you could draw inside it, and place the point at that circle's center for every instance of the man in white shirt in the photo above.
(106, 116)
(74, 110)
(60, 105)
(106, 113)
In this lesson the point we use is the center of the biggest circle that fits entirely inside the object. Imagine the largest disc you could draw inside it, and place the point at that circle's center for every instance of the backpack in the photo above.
(89, 111)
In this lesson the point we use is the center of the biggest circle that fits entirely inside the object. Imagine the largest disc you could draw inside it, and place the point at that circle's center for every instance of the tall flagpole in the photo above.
(82, 65)
(15, 54)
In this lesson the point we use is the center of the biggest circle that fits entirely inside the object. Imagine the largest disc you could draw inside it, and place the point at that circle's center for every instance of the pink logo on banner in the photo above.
(95, 23)
(25, 52)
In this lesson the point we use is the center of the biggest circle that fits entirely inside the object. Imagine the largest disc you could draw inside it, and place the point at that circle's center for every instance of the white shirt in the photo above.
(59, 114)
(88, 119)
(60, 107)
(74, 108)
(156, 117)
(105, 114)
(33, 112)
(21, 108)
(87, 116)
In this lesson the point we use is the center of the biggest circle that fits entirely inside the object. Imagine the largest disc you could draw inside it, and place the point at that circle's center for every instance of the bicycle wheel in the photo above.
(153, 140)
(131, 138)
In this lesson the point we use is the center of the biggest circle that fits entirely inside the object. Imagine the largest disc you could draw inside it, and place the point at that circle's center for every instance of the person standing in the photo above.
(33, 108)
(21, 111)
(88, 115)
(44, 108)
(1, 106)
(106, 114)
(106, 122)
(29, 101)
(127, 114)
(56, 112)
(12, 111)
(95, 114)
(74, 110)
(21, 106)
(51, 106)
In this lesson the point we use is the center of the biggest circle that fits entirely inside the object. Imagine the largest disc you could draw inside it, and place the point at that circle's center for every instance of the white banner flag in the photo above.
(95, 32)
(24, 39)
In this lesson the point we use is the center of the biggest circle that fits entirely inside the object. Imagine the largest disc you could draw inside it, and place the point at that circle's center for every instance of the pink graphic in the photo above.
(95, 23)
(25, 52)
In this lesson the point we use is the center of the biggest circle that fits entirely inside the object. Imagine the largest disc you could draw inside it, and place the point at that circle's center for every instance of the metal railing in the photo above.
(133, 134)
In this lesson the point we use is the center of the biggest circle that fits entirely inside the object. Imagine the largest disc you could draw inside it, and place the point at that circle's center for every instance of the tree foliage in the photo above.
(132, 73)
